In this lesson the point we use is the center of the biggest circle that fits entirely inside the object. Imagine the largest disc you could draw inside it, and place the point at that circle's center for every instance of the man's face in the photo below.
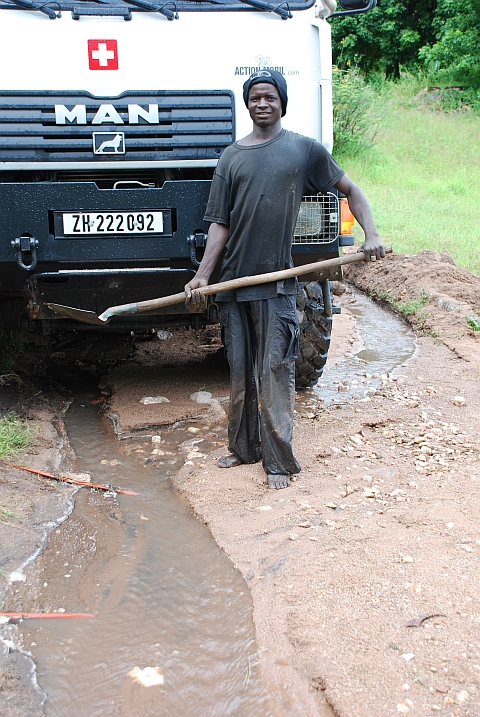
(264, 104)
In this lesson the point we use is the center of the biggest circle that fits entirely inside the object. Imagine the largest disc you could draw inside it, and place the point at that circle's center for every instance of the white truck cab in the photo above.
(113, 114)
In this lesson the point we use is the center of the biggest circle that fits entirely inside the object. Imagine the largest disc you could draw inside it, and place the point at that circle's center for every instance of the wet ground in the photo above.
(115, 555)
(163, 595)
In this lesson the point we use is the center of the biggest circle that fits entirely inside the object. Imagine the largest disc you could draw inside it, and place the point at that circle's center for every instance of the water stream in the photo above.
(385, 344)
(163, 593)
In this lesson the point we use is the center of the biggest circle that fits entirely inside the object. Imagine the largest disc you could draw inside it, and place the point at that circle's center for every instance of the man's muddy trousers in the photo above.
(261, 343)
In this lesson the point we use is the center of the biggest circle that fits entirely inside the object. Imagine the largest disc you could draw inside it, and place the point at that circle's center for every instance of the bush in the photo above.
(356, 117)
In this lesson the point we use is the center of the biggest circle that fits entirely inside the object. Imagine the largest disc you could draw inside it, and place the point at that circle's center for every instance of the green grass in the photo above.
(423, 178)
(473, 322)
(6, 515)
(413, 307)
(15, 435)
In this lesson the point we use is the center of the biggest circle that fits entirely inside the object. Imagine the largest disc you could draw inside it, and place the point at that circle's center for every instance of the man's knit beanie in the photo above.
(272, 77)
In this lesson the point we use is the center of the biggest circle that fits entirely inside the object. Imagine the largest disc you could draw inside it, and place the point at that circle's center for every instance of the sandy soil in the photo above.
(380, 529)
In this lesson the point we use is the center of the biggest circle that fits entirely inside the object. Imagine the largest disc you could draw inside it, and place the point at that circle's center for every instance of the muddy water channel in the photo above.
(382, 344)
(164, 596)
(162, 592)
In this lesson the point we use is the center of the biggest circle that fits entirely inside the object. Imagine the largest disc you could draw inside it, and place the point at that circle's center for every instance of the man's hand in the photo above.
(373, 248)
(192, 296)
(217, 238)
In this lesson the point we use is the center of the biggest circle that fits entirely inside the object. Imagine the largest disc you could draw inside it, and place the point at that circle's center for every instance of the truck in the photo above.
(113, 115)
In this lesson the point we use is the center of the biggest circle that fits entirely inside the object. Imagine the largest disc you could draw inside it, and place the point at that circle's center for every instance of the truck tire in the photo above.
(315, 331)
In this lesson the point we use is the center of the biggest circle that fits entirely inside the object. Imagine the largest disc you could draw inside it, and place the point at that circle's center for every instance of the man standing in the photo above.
(253, 205)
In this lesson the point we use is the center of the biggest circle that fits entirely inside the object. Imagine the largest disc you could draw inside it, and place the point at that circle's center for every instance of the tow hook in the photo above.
(23, 246)
(199, 239)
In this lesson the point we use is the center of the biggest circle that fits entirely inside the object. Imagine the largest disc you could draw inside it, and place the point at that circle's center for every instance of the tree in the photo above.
(457, 46)
(386, 38)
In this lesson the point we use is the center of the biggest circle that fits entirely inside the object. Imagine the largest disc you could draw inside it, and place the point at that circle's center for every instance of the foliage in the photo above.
(356, 120)
(473, 322)
(15, 435)
(413, 307)
(385, 39)
(457, 27)
(437, 38)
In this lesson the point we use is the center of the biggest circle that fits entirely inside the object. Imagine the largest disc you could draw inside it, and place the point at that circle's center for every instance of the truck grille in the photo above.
(192, 125)
(318, 220)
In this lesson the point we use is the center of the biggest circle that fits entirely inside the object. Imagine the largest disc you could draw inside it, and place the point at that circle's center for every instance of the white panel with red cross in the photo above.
(102, 55)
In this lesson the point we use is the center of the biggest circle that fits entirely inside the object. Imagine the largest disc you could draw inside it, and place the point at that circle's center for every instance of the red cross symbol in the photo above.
(102, 55)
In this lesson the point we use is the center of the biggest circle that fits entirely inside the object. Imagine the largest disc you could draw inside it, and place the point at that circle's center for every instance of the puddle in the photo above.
(163, 593)
(385, 344)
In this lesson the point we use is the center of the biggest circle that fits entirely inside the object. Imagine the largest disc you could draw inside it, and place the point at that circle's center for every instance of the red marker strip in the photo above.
(23, 615)
(64, 479)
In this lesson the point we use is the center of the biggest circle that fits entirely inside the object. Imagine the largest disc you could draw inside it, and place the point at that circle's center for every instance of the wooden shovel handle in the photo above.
(142, 306)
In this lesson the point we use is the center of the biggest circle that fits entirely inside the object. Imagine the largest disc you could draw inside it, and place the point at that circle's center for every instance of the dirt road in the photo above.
(363, 573)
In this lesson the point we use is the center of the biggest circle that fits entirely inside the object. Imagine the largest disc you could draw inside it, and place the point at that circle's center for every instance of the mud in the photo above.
(381, 526)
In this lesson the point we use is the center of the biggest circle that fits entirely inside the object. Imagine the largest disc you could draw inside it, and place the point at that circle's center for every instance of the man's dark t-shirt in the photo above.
(256, 191)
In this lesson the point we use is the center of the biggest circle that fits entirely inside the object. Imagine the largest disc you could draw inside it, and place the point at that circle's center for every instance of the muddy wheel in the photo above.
(315, 315)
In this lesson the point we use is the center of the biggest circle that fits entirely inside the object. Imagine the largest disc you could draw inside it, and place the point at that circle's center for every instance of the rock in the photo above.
(293, 536)
(459, 401)
(448, 304)
(156, 439)
(79, 476)
(193, 429)
(338, 289)
(413, 404)
(403, 708)
(187, 445)
(407, 656)
(164, 335)
(407, 559)
(215, 413)
(201, 397)
(461, 697)
(342, 389)
(467, 548)
(332, 506)
(148, 677)
(147, 400)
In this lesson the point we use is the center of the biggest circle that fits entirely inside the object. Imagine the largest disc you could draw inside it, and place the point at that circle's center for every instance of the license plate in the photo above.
(104, 223)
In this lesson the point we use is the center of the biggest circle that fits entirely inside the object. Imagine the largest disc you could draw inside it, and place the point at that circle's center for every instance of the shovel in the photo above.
(90, 317)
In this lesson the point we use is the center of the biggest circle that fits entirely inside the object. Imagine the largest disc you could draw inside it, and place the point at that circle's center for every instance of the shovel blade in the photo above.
(69, 312)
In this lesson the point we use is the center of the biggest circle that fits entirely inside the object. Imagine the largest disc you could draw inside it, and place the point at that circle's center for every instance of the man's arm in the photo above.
(373, 246)
(217, 238)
